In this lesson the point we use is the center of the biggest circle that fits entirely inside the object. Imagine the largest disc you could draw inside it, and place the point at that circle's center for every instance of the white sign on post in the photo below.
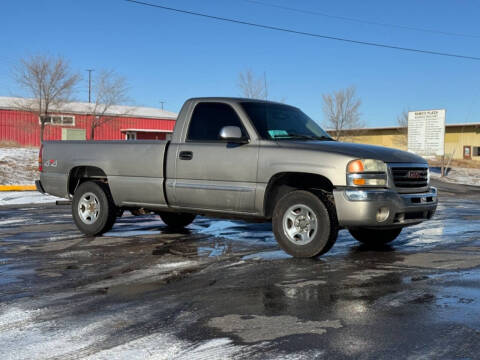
(426, 132)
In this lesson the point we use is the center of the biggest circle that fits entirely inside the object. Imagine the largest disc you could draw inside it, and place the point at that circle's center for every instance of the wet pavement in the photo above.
(223, 289)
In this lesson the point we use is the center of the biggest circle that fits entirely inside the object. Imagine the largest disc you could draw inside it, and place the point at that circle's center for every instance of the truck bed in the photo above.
(134, 169)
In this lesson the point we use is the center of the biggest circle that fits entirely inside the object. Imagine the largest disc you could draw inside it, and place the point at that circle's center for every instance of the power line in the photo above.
(297, 32)
(357, 20)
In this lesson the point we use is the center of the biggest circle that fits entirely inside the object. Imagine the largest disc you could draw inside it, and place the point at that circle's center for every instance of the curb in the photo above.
(18, 188)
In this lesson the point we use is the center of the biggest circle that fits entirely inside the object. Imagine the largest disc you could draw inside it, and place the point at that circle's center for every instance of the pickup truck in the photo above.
(244, 159)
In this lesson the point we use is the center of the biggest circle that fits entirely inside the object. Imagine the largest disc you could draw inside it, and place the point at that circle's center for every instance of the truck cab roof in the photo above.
(231, 99)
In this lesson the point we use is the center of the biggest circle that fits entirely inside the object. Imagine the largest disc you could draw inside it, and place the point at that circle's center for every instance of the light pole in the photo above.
(89, 84)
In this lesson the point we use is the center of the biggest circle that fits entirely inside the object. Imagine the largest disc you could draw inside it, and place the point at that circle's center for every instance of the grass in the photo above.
(9, 144)
(14, 144)
(470, 164)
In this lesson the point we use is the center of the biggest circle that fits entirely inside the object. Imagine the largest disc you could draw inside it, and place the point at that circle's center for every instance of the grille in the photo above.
(408, 177)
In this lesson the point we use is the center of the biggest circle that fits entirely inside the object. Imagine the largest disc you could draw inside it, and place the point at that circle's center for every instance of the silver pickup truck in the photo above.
(245, 159)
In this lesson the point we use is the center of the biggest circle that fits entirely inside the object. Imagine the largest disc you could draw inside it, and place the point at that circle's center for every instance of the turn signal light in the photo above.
(358, 182)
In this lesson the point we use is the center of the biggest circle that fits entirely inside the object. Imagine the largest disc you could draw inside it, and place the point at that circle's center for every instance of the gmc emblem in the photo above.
(414, 174)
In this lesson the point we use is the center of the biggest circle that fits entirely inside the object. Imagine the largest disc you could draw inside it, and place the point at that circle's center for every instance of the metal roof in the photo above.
(15, 103)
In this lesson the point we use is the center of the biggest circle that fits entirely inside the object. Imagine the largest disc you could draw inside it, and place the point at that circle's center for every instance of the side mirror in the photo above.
(232, 134)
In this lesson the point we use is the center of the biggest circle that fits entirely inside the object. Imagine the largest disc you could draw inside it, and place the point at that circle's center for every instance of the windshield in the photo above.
(278, 121)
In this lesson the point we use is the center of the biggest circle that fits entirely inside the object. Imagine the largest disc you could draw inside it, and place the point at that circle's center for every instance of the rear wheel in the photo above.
(305, 224)
(93, 209)
(176, 220)
(374, 237)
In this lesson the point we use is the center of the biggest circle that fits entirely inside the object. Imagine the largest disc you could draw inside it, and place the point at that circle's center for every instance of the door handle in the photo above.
(185, 155)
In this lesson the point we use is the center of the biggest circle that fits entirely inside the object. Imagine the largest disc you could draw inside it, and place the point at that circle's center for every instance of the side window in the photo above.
(209, 118)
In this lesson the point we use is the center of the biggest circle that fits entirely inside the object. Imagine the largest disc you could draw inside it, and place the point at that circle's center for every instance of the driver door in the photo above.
(211, 173)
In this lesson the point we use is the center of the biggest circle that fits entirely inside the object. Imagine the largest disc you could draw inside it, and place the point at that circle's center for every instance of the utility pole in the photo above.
(89, 84)
(161, 103)
(265, 84)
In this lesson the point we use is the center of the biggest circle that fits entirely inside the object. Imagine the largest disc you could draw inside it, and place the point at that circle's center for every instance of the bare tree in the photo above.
(251, 86)
(341, 109)
(49, 81)
(109, 89)
(402, 122)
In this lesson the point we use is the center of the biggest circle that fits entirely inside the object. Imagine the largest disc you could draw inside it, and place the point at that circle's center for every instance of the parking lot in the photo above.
(224, 289)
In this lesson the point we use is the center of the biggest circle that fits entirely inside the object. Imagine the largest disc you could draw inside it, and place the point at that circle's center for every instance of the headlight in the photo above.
(366, 165)
(366, 172)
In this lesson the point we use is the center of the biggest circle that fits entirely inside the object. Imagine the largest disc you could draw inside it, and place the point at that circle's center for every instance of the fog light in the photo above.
(382, 214)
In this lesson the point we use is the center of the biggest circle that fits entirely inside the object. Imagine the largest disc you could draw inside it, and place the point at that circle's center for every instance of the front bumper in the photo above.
(361, 207)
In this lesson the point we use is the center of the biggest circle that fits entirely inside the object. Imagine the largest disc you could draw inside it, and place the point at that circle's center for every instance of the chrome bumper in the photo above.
(368, 207)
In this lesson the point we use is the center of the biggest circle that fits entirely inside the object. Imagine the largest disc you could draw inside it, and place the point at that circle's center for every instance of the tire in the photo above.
(177, 220)
(101, 216)
(375, 237)
(294, 229)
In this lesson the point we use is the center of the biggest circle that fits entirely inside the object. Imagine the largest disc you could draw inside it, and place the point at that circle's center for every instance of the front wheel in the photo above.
(93, 209)
(374, 237)
(305, 225)
(176, 220)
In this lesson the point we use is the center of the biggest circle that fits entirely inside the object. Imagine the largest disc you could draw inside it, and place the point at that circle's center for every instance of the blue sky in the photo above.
(171, 57)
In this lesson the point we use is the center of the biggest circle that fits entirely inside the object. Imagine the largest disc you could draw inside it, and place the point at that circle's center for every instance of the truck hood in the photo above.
(359, 151)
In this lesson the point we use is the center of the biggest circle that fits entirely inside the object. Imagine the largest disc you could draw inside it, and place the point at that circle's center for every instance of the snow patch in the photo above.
(11, 221)
(458, 175)
(18, 166)
(165, 347)
(25, 197)
(179, 264)
(45, 340)
(16, 315)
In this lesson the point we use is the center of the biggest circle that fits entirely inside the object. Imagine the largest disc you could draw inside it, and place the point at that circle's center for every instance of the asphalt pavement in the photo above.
(224, 290)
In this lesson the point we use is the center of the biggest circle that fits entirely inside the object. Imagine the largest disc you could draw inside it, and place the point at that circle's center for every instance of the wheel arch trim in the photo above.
(286, 179)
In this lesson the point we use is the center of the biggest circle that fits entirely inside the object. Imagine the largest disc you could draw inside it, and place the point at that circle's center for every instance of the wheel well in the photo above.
(282, 183)
(81, 174)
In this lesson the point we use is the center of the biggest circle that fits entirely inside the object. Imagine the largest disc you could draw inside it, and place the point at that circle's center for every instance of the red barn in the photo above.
(127, 122)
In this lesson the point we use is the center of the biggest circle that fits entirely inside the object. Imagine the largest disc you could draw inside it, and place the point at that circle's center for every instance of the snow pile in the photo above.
(18, 166)
(458, 175)
(25, 197)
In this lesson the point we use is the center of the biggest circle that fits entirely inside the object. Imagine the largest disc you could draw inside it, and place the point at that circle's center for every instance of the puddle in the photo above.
(12, 273)
(255, 328)
(458, 296)
(215, 251)
(236, 230)
(268, 255)
(128, 233)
